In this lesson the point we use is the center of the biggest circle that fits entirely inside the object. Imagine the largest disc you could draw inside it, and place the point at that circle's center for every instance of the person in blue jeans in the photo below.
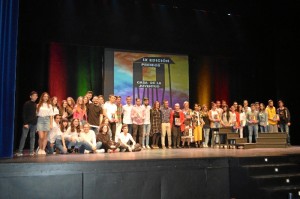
(29, 123)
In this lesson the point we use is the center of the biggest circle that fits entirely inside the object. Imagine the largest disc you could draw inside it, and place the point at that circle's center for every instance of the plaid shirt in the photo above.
(166, 112)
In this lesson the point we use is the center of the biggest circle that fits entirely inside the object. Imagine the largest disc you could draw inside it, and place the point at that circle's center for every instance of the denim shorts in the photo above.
(43, 124)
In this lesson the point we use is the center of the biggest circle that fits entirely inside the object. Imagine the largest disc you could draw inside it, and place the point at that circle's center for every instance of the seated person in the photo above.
(56, 138)
(71, 136)
(103, 138)
(88, 141)
(124, 139)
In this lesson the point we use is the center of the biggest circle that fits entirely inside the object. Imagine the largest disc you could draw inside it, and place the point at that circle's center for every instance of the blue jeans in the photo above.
(50, 149)
(285, 128)
(253, 129)
(32, 129)
(59, 146)
(129, 128)
(146, 134)
(86, 146)
(206, 135)
(263, 129)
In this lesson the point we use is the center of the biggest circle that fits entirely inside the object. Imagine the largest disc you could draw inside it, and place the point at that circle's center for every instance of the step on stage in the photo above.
(167, 174)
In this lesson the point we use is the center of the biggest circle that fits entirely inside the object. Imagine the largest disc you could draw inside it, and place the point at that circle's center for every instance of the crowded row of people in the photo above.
(180, 126)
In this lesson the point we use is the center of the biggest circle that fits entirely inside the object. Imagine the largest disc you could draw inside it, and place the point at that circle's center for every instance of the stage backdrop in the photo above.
(157, 76)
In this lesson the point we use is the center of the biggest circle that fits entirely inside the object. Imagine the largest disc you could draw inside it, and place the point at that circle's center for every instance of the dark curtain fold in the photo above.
(9, 11)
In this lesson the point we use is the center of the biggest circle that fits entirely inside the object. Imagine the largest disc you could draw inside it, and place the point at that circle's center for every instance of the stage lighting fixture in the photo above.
(228, 14)
(266, 159)
(276, 169)
(287, 180)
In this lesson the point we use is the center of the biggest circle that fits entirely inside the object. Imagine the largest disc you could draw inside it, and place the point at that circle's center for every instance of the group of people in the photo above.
(91, 125)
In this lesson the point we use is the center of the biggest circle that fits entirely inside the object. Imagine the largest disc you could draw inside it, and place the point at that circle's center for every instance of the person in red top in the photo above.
(177, 124)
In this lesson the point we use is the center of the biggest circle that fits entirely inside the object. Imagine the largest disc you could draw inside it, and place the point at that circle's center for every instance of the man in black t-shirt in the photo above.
(94, 114)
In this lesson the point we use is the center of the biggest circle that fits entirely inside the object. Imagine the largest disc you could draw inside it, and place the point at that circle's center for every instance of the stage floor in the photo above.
(156, 154)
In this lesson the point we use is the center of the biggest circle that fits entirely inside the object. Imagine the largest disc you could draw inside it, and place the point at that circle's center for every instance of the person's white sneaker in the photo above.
(144, 147)
(148, 147)
(100, 151)
(86, 151)
(19, 154)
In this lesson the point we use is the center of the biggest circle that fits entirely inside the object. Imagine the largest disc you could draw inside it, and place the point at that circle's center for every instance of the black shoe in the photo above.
(70, 150)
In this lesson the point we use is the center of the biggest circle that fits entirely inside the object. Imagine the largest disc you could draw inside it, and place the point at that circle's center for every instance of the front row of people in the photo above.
(63, 139)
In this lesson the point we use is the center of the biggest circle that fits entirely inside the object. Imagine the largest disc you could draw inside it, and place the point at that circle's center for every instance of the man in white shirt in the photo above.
(127, 114)
(109, 111)
(138, 116)
(124, 139)
(88, 140)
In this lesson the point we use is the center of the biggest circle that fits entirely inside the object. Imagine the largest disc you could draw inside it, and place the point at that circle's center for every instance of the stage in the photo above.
(157, 173)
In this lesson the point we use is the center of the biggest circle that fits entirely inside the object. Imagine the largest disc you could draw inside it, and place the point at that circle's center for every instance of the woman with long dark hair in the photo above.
(45, 121)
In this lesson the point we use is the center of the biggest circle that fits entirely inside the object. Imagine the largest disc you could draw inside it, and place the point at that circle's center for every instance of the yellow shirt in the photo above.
(271, 115)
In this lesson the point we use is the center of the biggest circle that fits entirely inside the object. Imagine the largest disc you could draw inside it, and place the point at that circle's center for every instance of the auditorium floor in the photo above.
(156, 154)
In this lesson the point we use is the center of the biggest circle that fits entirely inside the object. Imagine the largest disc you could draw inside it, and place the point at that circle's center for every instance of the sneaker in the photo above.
(169, 147)
(144, 147)
(148, 147)
(117, 150)
(86, 151)
(123, 150)
(19, 154)
(100, 150)
(31, 153)
(43, 152)
(163, 147)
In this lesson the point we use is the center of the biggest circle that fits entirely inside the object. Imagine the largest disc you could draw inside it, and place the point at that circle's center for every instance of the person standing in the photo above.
(252, 122)
(127, 114)
(284, 120)
(215, 123)
(119, 116)
(206, 124)
(109, 111)
(29, 123)
(44, 122)
(94, 114)
(177, 125)
(155, 120)
(272, 117)
(165, 125)
(197, 125)
(138, 116)
(147, 125)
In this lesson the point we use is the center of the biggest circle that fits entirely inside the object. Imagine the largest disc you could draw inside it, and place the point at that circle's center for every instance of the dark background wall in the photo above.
(256, 46)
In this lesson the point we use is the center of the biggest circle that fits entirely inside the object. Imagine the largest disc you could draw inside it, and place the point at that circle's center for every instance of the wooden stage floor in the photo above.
(158, 173)
(157, 154)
